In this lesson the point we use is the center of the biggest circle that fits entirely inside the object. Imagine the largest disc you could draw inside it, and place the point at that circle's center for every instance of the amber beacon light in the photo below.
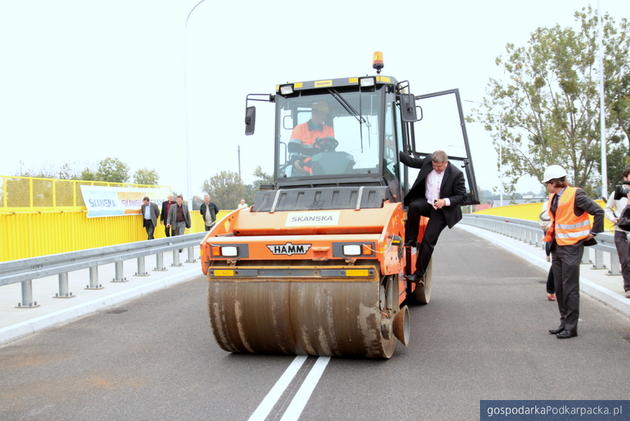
(377, 61)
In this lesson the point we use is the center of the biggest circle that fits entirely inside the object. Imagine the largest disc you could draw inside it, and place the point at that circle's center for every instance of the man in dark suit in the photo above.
(166, 206)
(438, 192)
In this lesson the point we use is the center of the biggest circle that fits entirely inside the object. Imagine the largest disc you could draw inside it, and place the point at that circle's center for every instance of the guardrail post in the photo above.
(191, 255)
(119, 276)
(614, 264)
(27, 296)
(159, 262)
(176, 261)
(599, 260)
(94, 279)
(63, 287)
(586, 256)
(141, 270)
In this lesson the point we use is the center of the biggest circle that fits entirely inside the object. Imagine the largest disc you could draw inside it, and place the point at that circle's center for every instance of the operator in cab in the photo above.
(308, 138)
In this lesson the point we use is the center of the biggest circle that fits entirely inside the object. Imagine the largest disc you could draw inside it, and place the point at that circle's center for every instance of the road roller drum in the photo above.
(316, 316)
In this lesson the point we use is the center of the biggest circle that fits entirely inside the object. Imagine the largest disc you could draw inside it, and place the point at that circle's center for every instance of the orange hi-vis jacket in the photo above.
(303, 133)
(565, 225)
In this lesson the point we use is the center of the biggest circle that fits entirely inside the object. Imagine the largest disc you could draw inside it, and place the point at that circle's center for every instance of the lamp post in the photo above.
(186, 111)
(602, 111)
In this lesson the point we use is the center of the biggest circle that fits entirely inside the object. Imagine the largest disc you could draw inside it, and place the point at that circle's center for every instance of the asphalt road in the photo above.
(483, 336)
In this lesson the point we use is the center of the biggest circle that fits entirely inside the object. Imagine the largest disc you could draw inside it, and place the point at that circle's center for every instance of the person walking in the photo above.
(569, 231)
(150, 213)
(166, 206)
(614, 207)
(208, 211)
(178, 217)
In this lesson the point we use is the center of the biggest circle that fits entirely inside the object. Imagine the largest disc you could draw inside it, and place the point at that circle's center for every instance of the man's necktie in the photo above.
(554, 204)
(553, 209)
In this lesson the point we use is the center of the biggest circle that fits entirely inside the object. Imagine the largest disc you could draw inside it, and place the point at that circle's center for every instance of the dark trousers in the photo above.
(167, 230)
(551, 287)
(621, 243)
(437, 222)
(565, 264)
(148, 225)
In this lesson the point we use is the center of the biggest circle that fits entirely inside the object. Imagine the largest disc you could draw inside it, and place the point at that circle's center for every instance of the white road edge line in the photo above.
(277, 390)
(302, 396)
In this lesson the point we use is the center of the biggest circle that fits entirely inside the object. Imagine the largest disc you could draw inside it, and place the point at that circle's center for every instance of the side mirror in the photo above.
(408, 107)
(250, 120)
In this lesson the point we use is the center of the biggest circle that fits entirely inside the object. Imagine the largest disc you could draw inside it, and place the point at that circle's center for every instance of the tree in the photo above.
(88, 175)
(146, 176)
(226, 189)
(261, 178)
(617, 160)
(546, 108)
(66, 173)
(112, 170)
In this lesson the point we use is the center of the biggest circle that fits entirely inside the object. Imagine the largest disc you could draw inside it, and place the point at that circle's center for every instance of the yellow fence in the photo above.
(27, 193)
(46, 216)
(530, 212)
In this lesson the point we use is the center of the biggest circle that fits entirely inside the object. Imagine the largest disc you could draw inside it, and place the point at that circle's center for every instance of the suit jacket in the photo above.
(212, 208)
(172, 215)
(164, 213)
(453, 186)
(155, 212)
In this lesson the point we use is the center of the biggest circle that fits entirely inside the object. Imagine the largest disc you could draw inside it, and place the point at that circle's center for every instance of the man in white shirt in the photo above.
(614, 208)
(438, 192)
(150, 213)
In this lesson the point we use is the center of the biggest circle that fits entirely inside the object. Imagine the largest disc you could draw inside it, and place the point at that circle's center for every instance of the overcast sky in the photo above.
(83, 80)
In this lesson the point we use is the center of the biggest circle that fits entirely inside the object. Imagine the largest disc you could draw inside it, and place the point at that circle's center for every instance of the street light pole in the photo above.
(602, 111)
(501, 172)
(186, 110)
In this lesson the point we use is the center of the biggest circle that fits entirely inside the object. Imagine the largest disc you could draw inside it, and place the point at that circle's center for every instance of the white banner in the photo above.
(119, 201)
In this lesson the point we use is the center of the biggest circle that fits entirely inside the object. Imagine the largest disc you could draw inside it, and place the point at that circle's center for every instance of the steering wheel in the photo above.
(326, 144)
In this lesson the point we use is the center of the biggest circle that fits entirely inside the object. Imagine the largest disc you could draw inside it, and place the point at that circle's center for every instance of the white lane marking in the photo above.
(277, 390)
(302, 396)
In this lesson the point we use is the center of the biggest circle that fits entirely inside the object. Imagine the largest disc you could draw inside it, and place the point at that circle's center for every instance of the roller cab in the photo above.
(316, 265)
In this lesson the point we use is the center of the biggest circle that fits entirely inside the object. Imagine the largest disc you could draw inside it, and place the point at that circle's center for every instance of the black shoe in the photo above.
(565, 334)
(556, 331)
(410, 243)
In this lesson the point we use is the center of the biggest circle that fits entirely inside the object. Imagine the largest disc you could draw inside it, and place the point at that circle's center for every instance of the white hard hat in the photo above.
(553, 171)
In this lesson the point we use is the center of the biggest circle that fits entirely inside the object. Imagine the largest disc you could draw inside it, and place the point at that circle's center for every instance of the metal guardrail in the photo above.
(25, 270)
(531, 233)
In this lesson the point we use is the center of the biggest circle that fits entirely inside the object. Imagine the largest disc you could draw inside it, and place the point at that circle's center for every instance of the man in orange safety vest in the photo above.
(311, 137)
(569, 231)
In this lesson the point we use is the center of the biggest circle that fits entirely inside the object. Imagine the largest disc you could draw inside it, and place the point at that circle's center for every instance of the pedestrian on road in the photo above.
(569, 231)
(166, 206)
(178, 217)
(242, 204)
(614, 207)
(150, 213)
(543, 220)
(208, 211)
(437, 193)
